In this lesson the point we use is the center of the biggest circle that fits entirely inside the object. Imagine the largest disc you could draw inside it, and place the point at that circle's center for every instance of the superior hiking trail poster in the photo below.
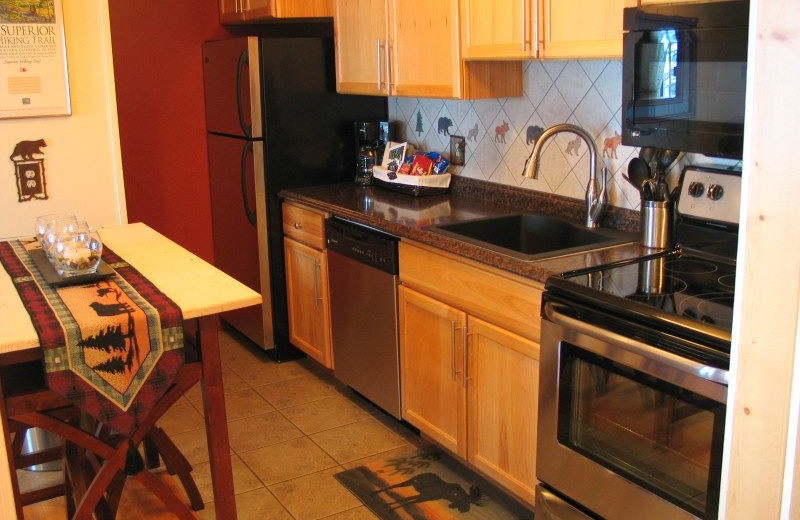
(33, 64)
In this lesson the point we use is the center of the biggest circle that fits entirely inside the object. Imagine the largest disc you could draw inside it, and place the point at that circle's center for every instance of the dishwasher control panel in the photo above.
(361, 243)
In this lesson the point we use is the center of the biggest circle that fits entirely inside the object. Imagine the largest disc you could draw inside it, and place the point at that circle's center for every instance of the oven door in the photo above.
(627, 430)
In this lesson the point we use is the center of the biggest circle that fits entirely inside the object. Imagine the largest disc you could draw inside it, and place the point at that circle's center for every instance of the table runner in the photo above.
(112, 348)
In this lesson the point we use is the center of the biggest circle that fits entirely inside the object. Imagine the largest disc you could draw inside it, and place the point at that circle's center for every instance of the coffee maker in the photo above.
(371, 139)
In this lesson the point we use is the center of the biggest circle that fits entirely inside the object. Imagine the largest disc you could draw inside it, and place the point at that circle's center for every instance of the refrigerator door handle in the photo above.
(250, 214)
(243, 62)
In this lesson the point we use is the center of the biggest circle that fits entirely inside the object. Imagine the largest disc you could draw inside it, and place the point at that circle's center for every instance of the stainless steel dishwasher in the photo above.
(362, 266)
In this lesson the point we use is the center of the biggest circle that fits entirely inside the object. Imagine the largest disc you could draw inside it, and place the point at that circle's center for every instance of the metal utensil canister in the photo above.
(656, 224)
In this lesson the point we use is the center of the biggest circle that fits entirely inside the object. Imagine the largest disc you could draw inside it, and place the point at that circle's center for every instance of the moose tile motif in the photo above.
(428, 484)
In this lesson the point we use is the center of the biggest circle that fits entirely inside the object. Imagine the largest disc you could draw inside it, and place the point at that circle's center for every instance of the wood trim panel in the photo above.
(505, 299)
(305, 225)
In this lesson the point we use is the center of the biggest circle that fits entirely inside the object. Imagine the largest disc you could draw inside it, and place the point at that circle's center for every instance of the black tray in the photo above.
(414, 191)
(52, 277)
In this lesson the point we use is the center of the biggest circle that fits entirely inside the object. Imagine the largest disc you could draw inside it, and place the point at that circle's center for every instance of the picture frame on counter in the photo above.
(393, 155)
(33, 60)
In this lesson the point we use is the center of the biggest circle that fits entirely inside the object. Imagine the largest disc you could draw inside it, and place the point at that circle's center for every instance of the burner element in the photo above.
(690, 266)
(727, 280)
(711, 308)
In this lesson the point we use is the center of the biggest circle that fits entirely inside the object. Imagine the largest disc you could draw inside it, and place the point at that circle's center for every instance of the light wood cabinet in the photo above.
(498, 29)
(244, 11)
(308, 300)
(469, 383)
(502, 402)
(581, 28)
(412, 48)
(431, 335)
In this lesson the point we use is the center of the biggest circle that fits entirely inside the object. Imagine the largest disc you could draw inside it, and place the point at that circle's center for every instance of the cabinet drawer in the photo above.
(304, 225)
(512, 302)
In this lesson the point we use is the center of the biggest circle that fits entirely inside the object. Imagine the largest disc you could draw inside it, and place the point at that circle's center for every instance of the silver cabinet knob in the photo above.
(298, 225)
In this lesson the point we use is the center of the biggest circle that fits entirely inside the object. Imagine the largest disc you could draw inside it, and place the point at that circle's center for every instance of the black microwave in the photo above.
(684, 77)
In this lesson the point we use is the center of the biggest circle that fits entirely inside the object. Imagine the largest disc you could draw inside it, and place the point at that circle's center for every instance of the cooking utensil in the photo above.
(674, 195)
(646, 154)
(666, 158)
(662, 191)
(647, 190)
(638, 172)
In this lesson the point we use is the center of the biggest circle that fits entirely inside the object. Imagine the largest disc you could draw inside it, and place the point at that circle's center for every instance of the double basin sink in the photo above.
(533, 237)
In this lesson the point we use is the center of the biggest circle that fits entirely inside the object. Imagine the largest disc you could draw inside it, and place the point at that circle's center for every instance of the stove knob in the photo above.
(715, 192)
(696, 189)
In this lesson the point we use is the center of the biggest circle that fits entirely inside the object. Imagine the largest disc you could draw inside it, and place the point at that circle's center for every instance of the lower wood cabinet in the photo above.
(502, 402)
(431, 368)
(468, 384)
(308, 300)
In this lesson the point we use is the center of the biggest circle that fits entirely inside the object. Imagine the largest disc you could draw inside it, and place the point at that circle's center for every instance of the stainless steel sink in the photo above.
(533, 237)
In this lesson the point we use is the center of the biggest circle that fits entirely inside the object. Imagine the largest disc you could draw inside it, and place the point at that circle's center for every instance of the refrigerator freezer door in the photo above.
(238, 208)
(231, 72)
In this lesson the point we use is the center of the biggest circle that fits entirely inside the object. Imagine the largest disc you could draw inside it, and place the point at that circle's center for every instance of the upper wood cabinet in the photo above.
(581, 28)
(412, 48)
(498, 29)
(244, 11)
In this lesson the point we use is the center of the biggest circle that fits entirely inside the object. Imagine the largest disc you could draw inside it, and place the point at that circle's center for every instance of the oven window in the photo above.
(664, 438)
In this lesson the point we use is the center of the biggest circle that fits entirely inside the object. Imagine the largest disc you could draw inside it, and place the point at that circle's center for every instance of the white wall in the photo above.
(82, 162)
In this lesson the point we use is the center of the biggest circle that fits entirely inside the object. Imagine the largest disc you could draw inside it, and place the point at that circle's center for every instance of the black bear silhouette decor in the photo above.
(25, 150)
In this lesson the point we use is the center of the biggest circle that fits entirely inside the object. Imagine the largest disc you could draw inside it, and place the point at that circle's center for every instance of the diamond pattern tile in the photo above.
(445, 126)
(458, 109)
(503, 132)
(487, 110)
(487, 156)
(536, 82)
(573, 83)
(553, 109)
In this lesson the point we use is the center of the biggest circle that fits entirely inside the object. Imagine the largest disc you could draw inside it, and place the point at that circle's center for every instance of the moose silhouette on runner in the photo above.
(431, 488)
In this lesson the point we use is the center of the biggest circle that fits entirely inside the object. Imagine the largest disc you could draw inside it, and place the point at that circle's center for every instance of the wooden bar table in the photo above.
(200, 290)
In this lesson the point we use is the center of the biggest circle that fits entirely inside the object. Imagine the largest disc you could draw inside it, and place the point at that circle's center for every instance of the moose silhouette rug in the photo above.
(428, 484)
(111, 348)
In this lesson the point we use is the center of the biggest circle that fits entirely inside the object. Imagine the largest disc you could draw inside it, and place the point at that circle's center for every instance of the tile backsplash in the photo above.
(500, 133)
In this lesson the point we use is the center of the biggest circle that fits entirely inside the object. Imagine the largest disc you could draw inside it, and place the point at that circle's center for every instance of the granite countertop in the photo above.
(409, 217)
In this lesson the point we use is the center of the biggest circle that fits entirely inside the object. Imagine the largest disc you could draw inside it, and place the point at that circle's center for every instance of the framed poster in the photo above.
(33, 59)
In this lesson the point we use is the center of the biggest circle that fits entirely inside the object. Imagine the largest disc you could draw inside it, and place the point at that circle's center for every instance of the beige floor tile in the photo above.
(314, 496)
(264, 372)
(243, 479)
(182, 417)
(245, 403)
(259, 431)
(293, 392)
(232, 349)
(324, 414)
(287, 460)
(359, 513)
(253, 505)
(193, 445)
(33, 480)
(358, 440)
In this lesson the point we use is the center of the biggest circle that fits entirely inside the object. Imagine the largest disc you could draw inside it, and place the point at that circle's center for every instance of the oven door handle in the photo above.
(709, 373)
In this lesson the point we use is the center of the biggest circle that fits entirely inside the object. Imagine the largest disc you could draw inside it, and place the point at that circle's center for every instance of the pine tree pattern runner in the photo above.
(111, 348)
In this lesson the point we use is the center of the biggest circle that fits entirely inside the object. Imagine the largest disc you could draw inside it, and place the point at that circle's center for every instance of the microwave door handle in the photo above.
(689, 366)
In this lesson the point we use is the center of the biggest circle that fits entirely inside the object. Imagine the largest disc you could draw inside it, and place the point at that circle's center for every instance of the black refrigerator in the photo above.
(274, 121)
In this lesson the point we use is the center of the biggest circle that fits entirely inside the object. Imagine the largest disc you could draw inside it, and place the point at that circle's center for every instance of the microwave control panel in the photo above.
(711, 195)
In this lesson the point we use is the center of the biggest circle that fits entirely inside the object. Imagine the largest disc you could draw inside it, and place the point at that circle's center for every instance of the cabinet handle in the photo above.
(388, 67)
(467, 337)
(298, 225)
(453, 350)
(526, 23)
(380, 65)
(317, 280)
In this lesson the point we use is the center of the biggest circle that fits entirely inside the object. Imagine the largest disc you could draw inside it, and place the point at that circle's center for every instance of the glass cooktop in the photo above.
(682, 289)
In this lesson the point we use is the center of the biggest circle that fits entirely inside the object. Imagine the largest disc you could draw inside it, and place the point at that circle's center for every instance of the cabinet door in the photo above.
(230, 11)
(502, 403)
(497, 29)
(432, 337)
(361, 53)
(582, 28)
(424, 48)
(307, 295)
(303, 8)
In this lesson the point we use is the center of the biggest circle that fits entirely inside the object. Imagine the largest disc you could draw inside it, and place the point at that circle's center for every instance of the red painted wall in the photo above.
(159, 80)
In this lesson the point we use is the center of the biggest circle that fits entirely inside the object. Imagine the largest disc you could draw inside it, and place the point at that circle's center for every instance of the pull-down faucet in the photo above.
(596, 201)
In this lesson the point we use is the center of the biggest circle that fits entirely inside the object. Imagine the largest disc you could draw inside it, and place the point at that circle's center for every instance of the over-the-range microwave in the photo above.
(684, 76)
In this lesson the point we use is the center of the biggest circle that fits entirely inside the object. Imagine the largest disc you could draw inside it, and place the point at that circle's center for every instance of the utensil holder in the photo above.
(657, 224)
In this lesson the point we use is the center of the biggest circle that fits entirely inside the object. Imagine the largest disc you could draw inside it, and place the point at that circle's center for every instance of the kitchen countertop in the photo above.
(409, 217)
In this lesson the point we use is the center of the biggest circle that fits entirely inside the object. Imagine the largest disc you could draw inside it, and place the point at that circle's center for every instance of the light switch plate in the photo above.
(458, 150)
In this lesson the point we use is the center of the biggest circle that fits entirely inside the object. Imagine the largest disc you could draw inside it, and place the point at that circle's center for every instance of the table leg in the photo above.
(216, 421)
(10, 471)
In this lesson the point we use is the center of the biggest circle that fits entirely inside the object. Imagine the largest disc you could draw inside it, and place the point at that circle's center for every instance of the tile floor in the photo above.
(292, 427)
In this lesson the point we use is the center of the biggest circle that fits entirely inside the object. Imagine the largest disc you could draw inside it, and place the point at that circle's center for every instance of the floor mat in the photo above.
(428, 485)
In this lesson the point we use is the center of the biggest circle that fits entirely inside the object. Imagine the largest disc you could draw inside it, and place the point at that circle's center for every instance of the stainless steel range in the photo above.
(634, 372)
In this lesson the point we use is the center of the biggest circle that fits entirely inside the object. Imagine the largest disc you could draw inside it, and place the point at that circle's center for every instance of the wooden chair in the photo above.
(98, 461)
